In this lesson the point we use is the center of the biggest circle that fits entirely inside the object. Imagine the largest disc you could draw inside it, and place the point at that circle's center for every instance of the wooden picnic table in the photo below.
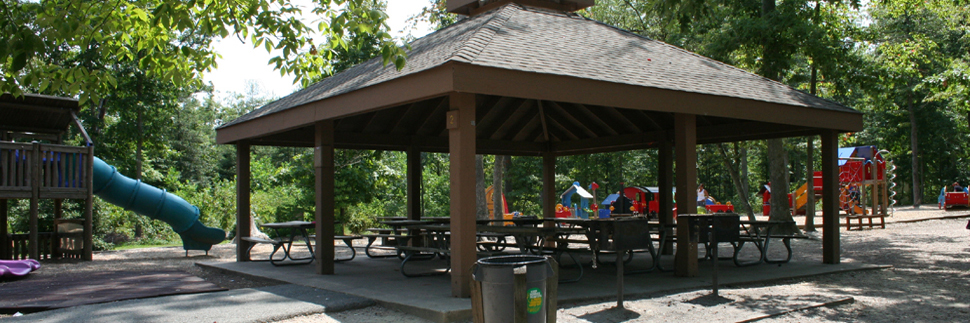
(296, 229)
(599, 233)
(760, 233)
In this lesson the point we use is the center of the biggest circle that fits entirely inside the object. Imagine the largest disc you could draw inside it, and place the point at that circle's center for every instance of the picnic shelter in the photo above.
(533, 78)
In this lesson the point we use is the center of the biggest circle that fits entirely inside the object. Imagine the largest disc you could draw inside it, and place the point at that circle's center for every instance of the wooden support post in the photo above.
(830, 197)
(548, 185)
(243, 217)
(4, 231)
(665, 179)
(552, 291)
(414, 181)
(685, 148)
(884, 190)
(520, 294)
(685, 262)
(460, 122)
(875, 186)
(33, 247)
(58, 208)
(478, 306)
(323, 154)
(549, 196)
(810, 188)
(55, 241)
(88, 239)
(685, 141)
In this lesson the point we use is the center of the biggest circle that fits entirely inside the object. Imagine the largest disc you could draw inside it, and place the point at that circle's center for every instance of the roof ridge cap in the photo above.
(476, 44)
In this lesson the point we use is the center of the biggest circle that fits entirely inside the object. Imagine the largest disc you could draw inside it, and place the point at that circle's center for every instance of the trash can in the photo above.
(498, 277)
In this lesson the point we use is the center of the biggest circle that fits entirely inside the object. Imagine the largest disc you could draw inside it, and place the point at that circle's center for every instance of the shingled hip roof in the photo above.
(540, 41)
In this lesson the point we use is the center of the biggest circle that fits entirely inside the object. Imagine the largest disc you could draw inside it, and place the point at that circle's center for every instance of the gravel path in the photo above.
(928, 282)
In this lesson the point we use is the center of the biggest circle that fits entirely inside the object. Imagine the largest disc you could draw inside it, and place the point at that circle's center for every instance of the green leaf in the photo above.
(19, 61)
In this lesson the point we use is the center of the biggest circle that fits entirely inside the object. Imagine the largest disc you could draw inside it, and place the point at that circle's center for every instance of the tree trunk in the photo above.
(139, 143)
(810, 164)
(498, 173)
(778, 174)
(736, 178)
(481, 206)
(917, 194)
(810, 192)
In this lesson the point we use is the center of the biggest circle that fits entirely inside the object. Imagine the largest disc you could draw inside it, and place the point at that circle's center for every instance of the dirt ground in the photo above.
(927, 282)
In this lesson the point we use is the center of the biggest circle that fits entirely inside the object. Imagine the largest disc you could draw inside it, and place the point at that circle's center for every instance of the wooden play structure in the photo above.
(36, 165)
(865, 188)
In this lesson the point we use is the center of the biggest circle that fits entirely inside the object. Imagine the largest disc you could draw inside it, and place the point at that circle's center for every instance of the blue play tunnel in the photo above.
(157, 204)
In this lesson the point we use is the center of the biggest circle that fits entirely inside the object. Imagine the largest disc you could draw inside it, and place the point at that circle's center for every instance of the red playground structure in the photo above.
(959, 197)
(865, 184)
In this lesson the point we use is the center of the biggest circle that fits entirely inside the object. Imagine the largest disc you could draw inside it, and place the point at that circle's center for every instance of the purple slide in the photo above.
(11, 268)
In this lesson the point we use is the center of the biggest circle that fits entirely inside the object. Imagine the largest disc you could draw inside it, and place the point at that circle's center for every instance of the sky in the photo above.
(241, 65)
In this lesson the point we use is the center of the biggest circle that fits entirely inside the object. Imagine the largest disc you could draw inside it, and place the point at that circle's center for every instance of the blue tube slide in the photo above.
(157, 204)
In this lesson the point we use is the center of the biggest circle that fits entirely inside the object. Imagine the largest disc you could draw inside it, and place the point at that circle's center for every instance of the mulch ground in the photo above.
(35, 293)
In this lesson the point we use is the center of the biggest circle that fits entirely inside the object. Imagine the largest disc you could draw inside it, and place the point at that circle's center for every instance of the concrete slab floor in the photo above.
(379, 279)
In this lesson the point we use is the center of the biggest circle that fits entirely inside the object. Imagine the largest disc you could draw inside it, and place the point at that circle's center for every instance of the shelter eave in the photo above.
(551, 87)
(415, 87)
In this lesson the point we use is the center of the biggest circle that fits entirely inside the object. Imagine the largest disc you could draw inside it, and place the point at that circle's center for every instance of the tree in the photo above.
(436, 14)
(151, 34)
(481, 205)
(920, 49)
(498, 176)
(737, 167)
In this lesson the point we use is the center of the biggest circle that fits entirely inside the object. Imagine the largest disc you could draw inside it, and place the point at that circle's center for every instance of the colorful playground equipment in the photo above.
(568, 208)
(949, 200)
(157, 204)
(865, 184)
(634, 201)
(491, 203)
(17, 268)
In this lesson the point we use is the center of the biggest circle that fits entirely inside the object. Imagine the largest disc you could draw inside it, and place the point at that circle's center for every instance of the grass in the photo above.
(144, 245)
(150, 244)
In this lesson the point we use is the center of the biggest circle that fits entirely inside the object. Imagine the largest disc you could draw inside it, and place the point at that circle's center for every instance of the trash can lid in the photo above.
(512, 260)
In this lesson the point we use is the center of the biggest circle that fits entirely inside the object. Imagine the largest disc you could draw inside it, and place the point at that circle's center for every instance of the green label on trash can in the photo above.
(535, 300)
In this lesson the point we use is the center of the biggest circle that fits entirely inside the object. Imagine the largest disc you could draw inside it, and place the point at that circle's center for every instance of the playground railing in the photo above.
(19, 242)
(62, 170)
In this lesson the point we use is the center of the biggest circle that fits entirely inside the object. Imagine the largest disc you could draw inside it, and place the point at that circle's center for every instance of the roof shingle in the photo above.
(519, 38)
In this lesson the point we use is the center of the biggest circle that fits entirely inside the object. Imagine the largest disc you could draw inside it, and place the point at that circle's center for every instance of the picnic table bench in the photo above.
(390, 238)
(760, 234)
(434, 241)
(348, 241)
(298, 230)
(859, 224)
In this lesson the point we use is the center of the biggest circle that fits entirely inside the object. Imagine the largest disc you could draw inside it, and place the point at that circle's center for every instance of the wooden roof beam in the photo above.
(406, 124)
(517, 120)
(615, 115)
(386, 119)
(494, 116)
(615, 143)
(560, 130)
(591, 117)
(524, 131)
(568, 119)
(542, 120)
(435, 121)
